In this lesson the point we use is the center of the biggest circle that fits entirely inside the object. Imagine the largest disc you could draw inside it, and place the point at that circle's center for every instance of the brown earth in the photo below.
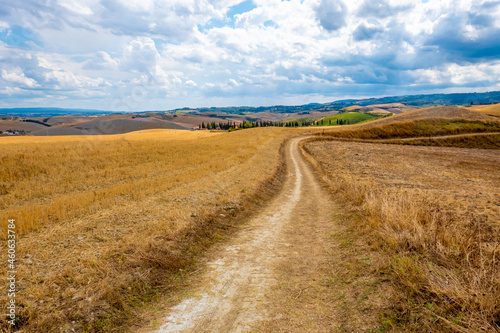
(61, 120)
(18, 125)
(113, 126)
(395, 108)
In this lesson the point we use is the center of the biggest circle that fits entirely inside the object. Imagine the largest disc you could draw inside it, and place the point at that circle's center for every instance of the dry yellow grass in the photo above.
(444, 126)
(55, 178)
(108, 221)
(440, 112)
(436, 212)
(492, 110)
(161, 134)
(353, 107)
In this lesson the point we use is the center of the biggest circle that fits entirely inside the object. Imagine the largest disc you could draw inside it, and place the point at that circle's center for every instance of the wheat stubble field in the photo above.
(107, 222)
(126, 233)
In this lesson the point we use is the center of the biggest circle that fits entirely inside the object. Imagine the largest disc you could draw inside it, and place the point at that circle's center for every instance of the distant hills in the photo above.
(50, 112)
(492, 97)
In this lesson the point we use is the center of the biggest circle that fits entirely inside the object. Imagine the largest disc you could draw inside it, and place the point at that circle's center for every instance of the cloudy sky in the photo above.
(161, 54)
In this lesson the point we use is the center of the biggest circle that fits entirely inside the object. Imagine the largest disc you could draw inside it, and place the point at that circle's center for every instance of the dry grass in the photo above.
(489, 141)
(108, 222)
(432, 113)
(420, 128)
(353, 107)
(439, 112)
(435, 211)
(55, 178)
(427, 122)
(492, 110)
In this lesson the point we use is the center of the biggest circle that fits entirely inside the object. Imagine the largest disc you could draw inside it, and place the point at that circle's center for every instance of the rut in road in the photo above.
(234, 297)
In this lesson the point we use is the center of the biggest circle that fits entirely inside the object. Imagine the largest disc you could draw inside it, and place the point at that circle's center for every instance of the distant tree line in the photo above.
(230, 126)
(222, 126)
(226, 126)
(250, 124)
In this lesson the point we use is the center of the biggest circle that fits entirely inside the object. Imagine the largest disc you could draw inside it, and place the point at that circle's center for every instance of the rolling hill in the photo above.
(112, 126)
(492, 110)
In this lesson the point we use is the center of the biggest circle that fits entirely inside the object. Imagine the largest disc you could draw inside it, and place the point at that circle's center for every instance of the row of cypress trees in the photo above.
(267, 123)
(248, 124)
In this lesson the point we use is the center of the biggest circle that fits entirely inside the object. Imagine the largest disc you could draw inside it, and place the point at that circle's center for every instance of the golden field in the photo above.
(109, 221)
(492, 110)
(55, 178)
(433, 214)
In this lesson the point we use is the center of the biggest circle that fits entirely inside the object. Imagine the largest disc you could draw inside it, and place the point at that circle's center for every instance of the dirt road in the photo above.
(290, 235)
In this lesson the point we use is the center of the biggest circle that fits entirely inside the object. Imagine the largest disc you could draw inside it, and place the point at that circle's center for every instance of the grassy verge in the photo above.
(441, 242)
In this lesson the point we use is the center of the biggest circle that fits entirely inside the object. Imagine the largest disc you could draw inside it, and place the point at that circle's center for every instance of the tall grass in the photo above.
(446, 263)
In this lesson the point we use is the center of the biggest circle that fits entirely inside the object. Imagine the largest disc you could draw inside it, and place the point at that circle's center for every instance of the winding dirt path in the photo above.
(238, 285)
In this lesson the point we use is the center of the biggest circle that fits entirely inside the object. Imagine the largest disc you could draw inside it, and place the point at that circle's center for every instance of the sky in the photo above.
(136, 55)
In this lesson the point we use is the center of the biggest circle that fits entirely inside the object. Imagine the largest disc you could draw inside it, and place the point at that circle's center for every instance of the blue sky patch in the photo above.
(270, 23)
(240, 8)
(228, 21)
(18, 36)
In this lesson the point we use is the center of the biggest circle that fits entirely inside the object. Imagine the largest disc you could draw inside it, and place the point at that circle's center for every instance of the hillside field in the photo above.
(349, 118)
(492, 110)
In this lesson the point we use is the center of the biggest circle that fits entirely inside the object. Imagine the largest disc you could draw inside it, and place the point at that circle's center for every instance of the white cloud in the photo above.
(152, 54)
(16, 75)
(76, 7)
(459, 74)
(10, 91)
(101, 61)
(140, 55)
